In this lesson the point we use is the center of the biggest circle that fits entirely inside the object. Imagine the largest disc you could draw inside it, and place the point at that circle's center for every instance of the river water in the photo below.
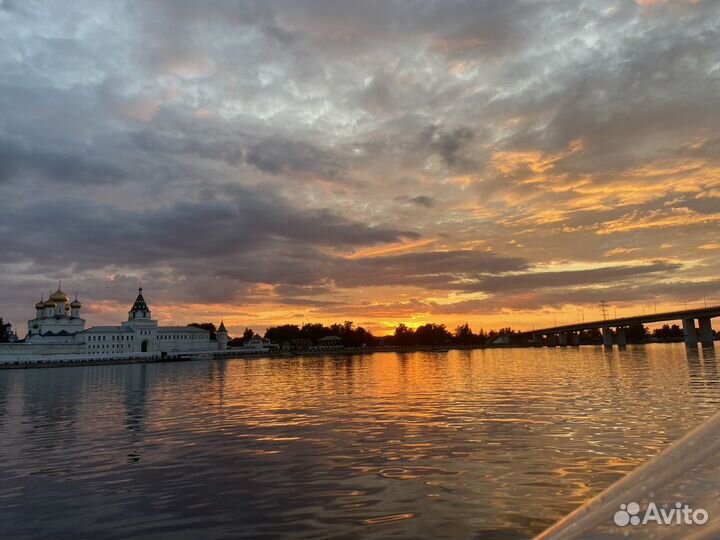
(465, 444)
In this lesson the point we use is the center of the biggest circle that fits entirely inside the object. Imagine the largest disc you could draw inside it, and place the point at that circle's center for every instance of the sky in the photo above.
(506, 163)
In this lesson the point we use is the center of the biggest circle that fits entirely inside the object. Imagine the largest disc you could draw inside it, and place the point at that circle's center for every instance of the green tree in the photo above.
(432, 334)
(351, 336)
(247, 334)
(404, 336)
(636, 333)
(464, 334)
(482, 337)
(3, 332)
(314, 331)
(284, 332)
(363, 337)
(669, 333)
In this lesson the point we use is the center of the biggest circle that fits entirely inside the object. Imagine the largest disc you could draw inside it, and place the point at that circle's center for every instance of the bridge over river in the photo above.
(568, 334)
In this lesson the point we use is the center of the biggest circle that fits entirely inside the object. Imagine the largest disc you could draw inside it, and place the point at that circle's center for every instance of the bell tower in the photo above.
(140, 320)
(139, 309)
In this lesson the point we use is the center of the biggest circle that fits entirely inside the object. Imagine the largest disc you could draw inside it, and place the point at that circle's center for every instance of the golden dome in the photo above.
(49, 303)
(40, 305)
(59, 296)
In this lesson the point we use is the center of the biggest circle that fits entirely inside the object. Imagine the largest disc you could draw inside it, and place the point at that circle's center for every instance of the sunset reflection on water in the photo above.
(494, 443)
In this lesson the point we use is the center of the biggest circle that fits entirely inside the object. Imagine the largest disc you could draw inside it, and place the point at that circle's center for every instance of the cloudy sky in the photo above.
(502, 162)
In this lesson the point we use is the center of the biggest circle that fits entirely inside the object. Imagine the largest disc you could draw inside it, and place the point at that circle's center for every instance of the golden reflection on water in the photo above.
(489, 443)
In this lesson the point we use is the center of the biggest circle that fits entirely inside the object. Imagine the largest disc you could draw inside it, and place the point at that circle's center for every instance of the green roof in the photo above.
(140, 304)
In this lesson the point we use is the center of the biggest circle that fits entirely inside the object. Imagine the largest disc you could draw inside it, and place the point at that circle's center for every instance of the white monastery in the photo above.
(58, 328)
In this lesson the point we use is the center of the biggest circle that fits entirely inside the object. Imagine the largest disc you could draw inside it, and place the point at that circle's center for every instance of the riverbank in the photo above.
(54, 361)
(67, 360)
(51, 361)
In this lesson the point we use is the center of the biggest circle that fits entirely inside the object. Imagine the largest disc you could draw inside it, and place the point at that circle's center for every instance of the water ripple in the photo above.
(491, 444)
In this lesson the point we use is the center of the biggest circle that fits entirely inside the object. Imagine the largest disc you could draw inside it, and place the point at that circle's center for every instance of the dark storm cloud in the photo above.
(213, 145)
(433, 269)
(447, 144)
(62, 166)
(283, 156)
(238, 223)
(423, 200)
(419, 200)
(294, 291)
(675, 293)
(566, 279)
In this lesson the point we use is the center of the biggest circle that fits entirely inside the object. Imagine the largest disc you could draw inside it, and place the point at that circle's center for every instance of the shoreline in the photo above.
(239, 355)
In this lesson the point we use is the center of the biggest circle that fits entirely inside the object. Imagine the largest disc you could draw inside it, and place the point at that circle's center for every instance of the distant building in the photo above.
(56, 321)
(255, 342)
(330, 342)
(58, 328)
(501, 340)
(300, 344)
(260, 344)
(10, 333)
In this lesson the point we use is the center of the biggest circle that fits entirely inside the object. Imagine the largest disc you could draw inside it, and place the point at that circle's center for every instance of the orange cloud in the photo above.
(619, 251)
(657, 219)
(508, 162)
(395, 249)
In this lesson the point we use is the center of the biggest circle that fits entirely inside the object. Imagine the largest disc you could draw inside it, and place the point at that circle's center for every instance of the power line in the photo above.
(604, 307)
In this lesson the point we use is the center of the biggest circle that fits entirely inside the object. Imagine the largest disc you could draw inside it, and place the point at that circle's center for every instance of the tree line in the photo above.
(351, 335)
(429, 334)
(4, 337)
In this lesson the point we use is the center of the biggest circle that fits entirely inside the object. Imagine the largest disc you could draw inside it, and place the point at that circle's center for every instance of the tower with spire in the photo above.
(139, 309)
(222, 337)
(141, 322)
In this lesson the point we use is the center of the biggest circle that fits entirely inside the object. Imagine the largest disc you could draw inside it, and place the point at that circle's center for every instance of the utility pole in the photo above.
(603, 307)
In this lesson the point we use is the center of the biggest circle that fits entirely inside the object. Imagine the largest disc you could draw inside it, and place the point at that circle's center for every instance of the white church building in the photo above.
(58, 328)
